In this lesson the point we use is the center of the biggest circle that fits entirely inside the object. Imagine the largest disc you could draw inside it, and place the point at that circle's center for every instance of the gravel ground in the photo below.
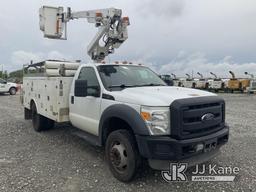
(59, 161)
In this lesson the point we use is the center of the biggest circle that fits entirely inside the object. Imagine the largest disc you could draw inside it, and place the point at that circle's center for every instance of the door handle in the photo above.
(72, 100)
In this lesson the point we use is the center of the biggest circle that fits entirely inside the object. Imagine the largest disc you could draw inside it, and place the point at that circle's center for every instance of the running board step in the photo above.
(92, 139)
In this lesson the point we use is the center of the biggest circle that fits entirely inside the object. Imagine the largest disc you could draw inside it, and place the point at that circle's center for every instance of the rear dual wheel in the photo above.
(40, 123)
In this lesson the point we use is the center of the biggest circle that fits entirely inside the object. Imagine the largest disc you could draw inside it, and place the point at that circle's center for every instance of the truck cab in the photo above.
(132, 113)
(7, 87)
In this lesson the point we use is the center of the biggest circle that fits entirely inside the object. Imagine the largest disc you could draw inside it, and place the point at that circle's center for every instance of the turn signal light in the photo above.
(145, 116)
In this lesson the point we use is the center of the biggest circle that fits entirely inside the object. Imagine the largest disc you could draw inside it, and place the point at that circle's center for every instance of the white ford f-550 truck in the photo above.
(129, 110)
(123, 107)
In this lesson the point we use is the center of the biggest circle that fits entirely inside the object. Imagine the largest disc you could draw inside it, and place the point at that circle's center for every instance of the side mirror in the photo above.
(80, 88)
(83, 90)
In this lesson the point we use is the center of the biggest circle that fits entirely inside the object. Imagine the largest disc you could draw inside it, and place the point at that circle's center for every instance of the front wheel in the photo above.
(122, 155)
(13, 91)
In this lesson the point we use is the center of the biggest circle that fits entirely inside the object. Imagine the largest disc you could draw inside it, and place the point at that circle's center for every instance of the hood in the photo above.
(156, 96)
(11, 84)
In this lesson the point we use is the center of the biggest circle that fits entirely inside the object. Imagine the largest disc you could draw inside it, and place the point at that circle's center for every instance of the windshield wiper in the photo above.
(152, 84)
(122, 86)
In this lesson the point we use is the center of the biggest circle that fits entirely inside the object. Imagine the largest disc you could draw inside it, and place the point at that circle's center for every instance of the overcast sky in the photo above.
(178, 36)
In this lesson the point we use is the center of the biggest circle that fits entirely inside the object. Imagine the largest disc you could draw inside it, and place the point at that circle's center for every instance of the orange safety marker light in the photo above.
(145, 116)
(98, 14)
(126, 20)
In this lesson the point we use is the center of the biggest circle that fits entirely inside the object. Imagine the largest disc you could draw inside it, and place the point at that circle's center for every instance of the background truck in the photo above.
(234, 84)
(167, 79)
(252, 85)
(125, 108)
(202, 83)
(216, 84)
(7, 87)
(189, 82)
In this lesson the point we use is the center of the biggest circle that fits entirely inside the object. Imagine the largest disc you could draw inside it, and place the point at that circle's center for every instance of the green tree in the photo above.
(17, 76)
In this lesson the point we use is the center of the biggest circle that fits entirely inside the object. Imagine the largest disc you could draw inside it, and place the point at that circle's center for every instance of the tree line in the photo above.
(15, 76)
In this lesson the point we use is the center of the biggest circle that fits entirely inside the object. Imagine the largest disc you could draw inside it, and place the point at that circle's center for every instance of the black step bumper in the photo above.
(167, 148)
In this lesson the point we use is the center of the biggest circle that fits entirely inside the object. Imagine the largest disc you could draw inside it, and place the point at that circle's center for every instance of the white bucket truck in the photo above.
(125, 108)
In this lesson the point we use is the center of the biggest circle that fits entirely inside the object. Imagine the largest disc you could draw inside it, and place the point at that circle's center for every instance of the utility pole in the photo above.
(2, 70)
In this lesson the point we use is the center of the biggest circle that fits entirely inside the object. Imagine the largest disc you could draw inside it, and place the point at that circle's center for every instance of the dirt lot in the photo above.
(59, 161)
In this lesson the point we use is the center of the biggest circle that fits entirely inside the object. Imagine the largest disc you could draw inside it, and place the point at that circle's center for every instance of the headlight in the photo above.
(157, 119)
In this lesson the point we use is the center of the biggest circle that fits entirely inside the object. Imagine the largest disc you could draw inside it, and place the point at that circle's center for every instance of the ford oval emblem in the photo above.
(207, 117)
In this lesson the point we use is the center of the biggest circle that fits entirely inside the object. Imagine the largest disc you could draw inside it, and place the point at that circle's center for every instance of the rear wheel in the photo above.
(13, 91)
(40, 123)
(122, 155)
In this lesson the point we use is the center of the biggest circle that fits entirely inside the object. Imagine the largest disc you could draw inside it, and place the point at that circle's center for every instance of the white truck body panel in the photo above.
(50, 94)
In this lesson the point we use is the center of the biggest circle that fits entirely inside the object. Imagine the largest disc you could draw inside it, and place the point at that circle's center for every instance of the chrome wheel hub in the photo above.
(118, 156)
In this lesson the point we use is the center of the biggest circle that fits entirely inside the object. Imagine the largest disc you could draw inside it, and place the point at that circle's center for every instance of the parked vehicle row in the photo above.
(214, 83)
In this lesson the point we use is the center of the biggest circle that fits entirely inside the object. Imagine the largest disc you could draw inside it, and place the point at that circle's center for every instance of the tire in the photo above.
(50, 124)
(40, 123)
(206, 86)
(13, 91)
(122, 145)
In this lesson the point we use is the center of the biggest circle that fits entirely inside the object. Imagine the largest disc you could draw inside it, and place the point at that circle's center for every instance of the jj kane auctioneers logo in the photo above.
(177, 172)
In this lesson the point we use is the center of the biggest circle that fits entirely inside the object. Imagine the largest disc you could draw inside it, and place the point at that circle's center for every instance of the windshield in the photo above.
(2, 81)
(120, 77)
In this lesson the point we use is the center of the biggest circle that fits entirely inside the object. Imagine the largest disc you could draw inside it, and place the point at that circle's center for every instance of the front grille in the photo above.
(186, 117)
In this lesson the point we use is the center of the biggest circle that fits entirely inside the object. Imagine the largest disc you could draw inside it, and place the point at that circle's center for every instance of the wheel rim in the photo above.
(118, 156)
(13, 91)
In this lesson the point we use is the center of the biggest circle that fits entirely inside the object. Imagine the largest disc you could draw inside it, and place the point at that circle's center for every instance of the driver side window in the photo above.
(88, 74)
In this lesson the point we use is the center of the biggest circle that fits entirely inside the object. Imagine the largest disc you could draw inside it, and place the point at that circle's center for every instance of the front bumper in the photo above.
(167, 148)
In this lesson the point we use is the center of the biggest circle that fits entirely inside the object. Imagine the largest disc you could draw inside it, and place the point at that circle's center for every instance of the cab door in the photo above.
(3, 86)
(85, 110)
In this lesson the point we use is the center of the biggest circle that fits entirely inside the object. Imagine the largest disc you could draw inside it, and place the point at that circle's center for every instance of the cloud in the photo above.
(58, 56)
(21, 57)
(198, 62)
(170, 8)
(214, 35)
